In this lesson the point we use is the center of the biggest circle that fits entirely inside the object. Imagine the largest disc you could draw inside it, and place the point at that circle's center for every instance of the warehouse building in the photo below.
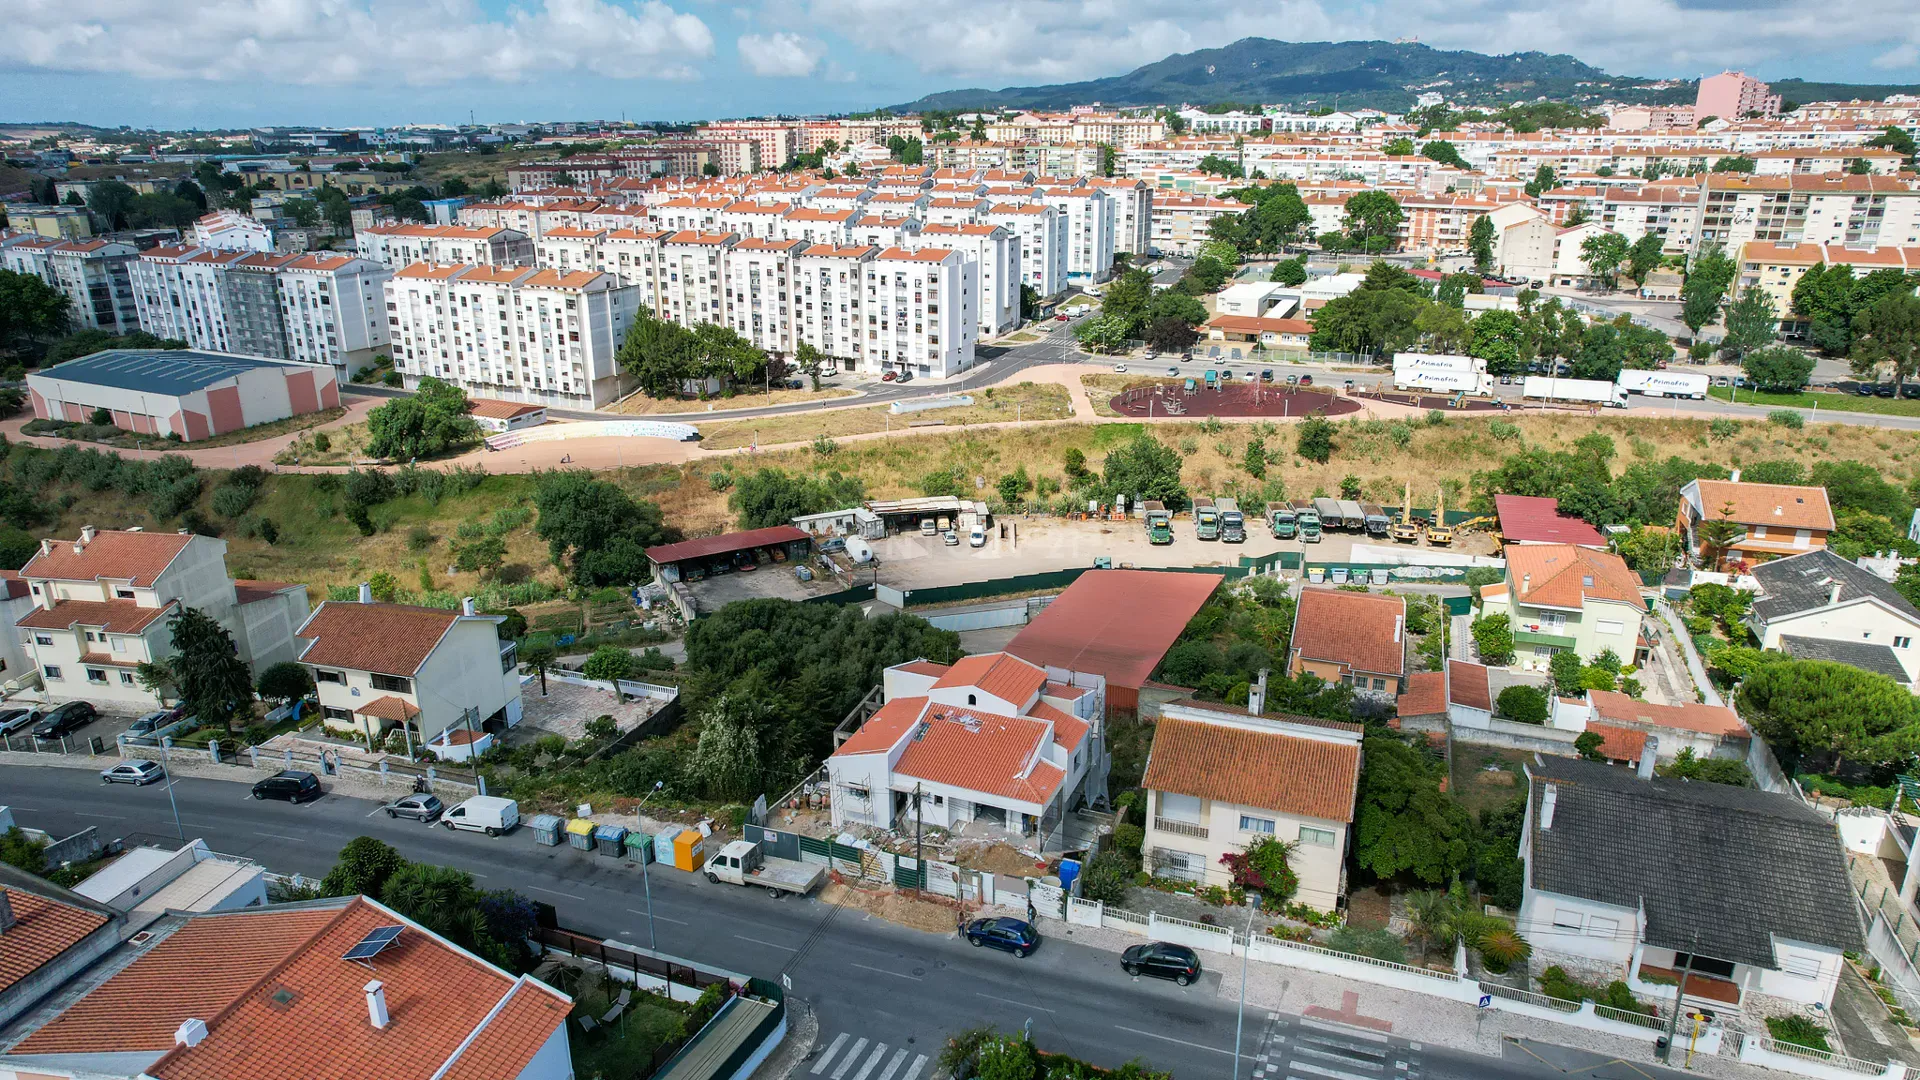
(183, 392)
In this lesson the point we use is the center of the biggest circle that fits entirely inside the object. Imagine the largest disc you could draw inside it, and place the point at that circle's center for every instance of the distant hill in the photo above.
(1352, 74)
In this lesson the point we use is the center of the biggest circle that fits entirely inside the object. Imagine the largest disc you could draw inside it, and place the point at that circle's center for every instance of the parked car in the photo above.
(833, 545)
(978, 536)
(1150, 354)
(138, 772)
(1864, 389)
(13, 720)
(70, 717)
(1162, 961)
(150, 723)
(1306, 380)
(290, 784)
(1293, 380)
(1173, 371)
(888, 376)
(1884, 390)
(1266, 374)
(419, 807)
(905, 376)
(950, 538)
(1120, 368)
(1506, 380)
(1062, 317)
(1008, 935)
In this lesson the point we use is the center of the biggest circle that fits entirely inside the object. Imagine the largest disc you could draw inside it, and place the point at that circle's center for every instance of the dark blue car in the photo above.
(1007, 935)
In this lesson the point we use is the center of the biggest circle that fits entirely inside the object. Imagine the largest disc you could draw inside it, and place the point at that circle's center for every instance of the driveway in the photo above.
(1865, 1029)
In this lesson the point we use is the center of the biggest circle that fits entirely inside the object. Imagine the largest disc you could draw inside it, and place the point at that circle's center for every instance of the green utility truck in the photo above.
(1206, 519)
(1159, 523)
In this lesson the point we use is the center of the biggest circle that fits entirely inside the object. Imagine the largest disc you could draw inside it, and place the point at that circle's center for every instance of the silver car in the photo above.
(138, 772)
(417, 807)
(13, 720)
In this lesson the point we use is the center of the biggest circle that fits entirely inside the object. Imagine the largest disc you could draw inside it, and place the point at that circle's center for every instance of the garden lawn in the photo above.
(1478, 789)
(1824, 401)
(626, 1047)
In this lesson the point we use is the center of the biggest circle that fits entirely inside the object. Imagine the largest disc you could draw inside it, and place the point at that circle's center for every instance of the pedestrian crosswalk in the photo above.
(865, 1059)
(1311, 1050)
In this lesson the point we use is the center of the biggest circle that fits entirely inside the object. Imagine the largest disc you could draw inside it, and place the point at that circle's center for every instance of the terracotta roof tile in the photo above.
(116, 616)
(982, 752)
(1536, 519)
(1265, 769)
(1425, 695)
(922, 667)
(884, 728)
(1686, 716)
(1115, 623)
(43, 929)
(1359, 630)
(1618, 743)
(1006, 677)
(388, 707)
(1786, 506)
(251, 592)
(1467, 685)
(139, 557)
(1564, 575)
(394, 639)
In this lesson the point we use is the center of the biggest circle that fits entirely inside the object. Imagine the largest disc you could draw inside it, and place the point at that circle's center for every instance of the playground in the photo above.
(1453, 402)
(1192, 397)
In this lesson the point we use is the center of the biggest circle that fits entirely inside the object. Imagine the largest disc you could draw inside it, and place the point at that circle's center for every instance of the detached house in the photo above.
(1819, 606)
(1638, 877)
(989, 741)
(1563, 596)
(1220, 778)
(1350, 637)
(1774, 520)
(102, 605)
(380, 667)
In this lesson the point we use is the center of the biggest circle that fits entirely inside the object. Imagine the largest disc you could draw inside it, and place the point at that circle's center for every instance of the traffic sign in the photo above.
(1486, 1001)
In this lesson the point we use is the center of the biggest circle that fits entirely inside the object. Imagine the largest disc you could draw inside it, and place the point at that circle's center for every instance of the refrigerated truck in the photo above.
(1449, 374)
(1233, 525)
(1282, 520)
(1672, 384)
(1206, 519)
(1590, 391)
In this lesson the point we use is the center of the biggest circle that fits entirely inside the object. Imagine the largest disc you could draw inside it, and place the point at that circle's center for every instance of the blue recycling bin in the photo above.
(611, 840)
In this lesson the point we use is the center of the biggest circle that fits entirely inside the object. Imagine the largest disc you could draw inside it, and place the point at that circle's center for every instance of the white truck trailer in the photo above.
(1441, 373)
(1589, 391)
(1673, 384)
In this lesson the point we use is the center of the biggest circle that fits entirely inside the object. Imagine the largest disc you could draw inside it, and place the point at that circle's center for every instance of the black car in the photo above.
(289, 784)
(1864, 389)
(72, 716)
(1162, 961)
(1884, 390)
(1008, 935)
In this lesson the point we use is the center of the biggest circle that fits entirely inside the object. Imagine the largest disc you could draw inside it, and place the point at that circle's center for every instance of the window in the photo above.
(1566, 919)
(1903, 643)
(1703, 965)
(1256, 824)
(43, 639)
(322, 675)
(856, 791)
(393, 683)
(1800, 965)
(126, 678)
(1379, 684)
(51, 671)
(1177, 807)
(123, 594)
(1316, 837)
(1603, 927)
(332, 713)
(1609, 626)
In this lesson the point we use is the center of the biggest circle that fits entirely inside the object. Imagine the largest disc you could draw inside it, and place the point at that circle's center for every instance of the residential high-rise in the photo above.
(1732, 95)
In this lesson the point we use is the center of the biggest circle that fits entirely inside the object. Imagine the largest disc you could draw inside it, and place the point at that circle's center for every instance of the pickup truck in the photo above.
(743, 863)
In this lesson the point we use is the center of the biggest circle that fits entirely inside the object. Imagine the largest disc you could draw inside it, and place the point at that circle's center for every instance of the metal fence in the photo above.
(1824, 1057)
(1530, 998)
(590, 948)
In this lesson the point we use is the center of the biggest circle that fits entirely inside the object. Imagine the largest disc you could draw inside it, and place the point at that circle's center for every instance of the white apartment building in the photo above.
(177, 293)
(331, 309)
(320, 308)
(94, 275)
(403, 245)
(993, 256)
(693, 277)
(1090, 217)
(831, 283)
(1132, 213)
(1236, 122)
(689, 214)
(1042, 235)
(817, 225)
(920, 312)
(513, 333)
(1180, 222)
(1856, 211)
(884, 231)
(759, 280)
(565, 250)
(231, 230)
(632, 256)
(103, 603)
(956, 210)
(749, 219)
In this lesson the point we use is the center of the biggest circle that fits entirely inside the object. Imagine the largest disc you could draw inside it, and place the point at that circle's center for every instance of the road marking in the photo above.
(879, 1051)
(282, 836)
(662, 918)
(915, 1070)
(555, 892)
(1343, 1059)
(899, 1056)
(1334, 1074)
(1171, 1039)
(826, 1058)
(1342, 1029)
(83, 813)
(1010, 1001)
(768, 944)
(1351, 1050)
(884, 971)
(847, 1062)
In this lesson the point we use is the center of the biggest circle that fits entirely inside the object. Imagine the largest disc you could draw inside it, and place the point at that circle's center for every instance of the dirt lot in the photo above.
(1479, 789)
(934, 917)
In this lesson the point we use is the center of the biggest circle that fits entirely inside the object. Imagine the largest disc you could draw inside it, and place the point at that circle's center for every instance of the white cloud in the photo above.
(347, 41)
(781, 55)
(1900, 56)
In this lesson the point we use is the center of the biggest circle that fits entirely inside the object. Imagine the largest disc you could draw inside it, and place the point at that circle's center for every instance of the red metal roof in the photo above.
(1114, 623)
(1532, 519)
(726, 543)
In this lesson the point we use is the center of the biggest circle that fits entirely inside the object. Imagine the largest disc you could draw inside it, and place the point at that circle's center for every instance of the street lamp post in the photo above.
(1240, 1022)
(645, 884)
(177, 827)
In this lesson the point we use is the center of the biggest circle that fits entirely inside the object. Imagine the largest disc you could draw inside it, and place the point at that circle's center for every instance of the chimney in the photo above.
(1526, 583)
(466, 605)
(6, 912)
(87, 533)
(1647, 755)
(1397, 620)
(46, 547)
(366, 592)
(1257, 696)
(1833, 593)
(377, 1003)
(1548, 799)
(191, 1032)
(1736, 477)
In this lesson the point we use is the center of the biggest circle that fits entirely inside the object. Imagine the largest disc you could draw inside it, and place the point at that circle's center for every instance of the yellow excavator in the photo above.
(1437, 531)
(1405, 531)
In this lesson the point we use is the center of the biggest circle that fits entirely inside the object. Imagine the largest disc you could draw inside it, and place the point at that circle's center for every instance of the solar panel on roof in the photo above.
(377, 939)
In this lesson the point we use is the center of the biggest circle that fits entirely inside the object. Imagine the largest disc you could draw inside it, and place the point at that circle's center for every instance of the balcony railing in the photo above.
(1180, 828)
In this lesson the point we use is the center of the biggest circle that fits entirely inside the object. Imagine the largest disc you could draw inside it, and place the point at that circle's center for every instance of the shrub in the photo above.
(420, 538)
(719, 480)
(1501, 948)
(1523, 704)
(101, 418)
(230, 500)
(1378, 944)
(1787, 418)
(1501, 431)
(322, 442)
(1722, 429)
(1798, 1030)
(1128, 837)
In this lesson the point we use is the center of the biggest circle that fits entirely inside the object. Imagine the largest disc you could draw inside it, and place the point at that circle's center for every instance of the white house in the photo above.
(990, 739)
(1220, 778)
(1819, 605)
(1641, 878)
(1564, 596)
(379, 667)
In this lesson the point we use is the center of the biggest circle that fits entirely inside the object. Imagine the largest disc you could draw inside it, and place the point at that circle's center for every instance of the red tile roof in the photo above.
(117, 616)
(1425, 695)
(884, 728)
(1566, 576)
(12, 585)
(1467, 685)
(43, 929)
(1537, 520)
(1265, 769)
(1618, 743)
(707, 546)
(1115, 623)
(139, 557)
(1687, 716)
(500, 410)
(388, 707)
(981, 752)
(1006, 677)
(1361, 631)
(922, 667)
(1785, 506)
(393, 639)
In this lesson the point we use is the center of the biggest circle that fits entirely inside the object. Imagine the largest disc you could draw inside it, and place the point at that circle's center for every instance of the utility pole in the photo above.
(1240, 1022)
(919, 852)
(1665, 1048)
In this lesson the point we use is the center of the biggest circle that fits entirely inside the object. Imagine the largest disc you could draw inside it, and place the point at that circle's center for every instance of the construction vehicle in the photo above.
(1159, 523)
(1404, 531)
(1437, 533)
(1206, 519)
(1308, 519)
(1233, 524)
(1282, 520)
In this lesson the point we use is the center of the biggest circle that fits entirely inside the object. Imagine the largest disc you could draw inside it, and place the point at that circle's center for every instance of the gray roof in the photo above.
(1804, 582)
(1719, 870)
(157, 371)
(1864, 655)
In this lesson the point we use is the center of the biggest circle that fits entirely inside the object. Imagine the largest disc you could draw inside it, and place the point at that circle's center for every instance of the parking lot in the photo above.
(106, 727)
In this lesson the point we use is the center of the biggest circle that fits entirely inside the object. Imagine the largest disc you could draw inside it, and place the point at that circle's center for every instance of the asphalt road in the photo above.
(895, 994)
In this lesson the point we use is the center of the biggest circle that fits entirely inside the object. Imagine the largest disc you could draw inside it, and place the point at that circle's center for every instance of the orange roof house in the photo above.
(1351, 637)
(1773, 520)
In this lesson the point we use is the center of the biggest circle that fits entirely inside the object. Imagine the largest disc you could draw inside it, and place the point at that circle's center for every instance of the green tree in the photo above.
(810, 362)
(1405, 825)
(1372, 219)
(286, 682)
(1752, 322)
(596, 529)
(1315, 440)
(1220, 166)
(1480, 243)
(1255, 459)
(1603, 253)
(772, 496)
(483, 555)
(1778, 367)
(30, 310)
(1497, 338)
(1543, 181)
(431, 422)
(1830, 713)
(1706, 286)
(1643, 257)
(214, 682)
(1565, 668)
(1400, 147)
(609, 664)
(1738, 163)
(364, 867)
(1493, 639)
(1588, 745)
(1102, 333)
(539, 654)
(112, 200)
(1523, 704)
(1289, 272)
(1144, 468)
(21, 852)
(1887, 334)
(1445, 153)
(1171, 334)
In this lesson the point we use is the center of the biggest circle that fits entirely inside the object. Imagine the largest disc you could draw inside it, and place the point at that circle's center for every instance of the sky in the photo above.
(239, 63)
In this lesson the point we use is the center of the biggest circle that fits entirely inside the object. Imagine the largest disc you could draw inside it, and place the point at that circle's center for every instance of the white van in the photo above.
(978, 537)
(484, 813)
